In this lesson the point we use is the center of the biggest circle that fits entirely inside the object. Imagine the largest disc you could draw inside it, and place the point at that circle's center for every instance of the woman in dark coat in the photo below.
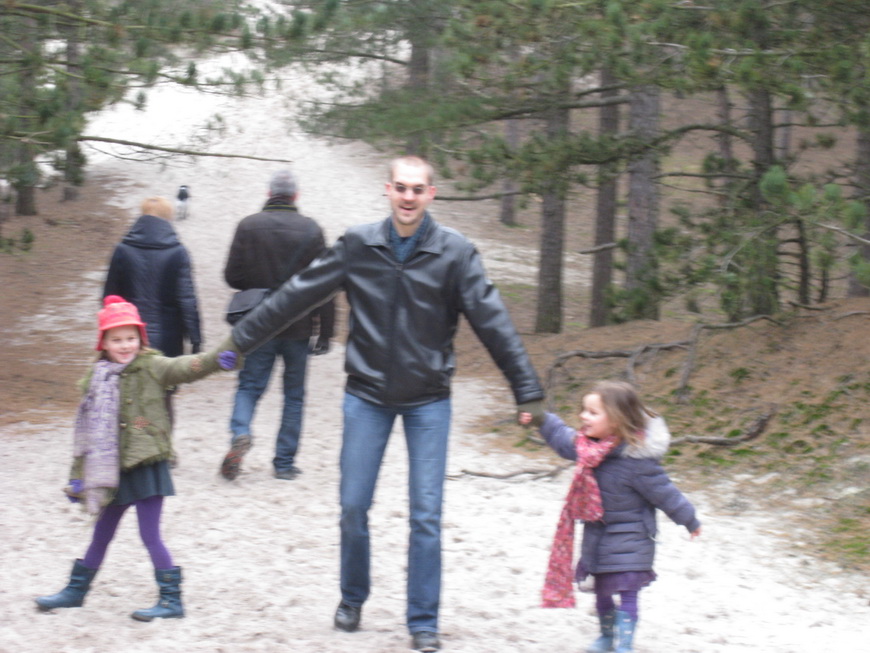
(618, 485)
(151, 269)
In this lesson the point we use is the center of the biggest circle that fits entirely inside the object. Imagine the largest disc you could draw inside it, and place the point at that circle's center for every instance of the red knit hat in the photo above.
(119, 312)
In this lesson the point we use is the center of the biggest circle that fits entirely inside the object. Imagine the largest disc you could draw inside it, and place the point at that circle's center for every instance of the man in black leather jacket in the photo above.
(407, 280)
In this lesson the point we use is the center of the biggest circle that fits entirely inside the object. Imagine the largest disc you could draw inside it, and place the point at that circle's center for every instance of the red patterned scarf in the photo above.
(583, 502)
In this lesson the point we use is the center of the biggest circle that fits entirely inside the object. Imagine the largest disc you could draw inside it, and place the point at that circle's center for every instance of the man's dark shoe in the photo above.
(347, 617)
(231, 467)
(425, 640)
(288, 474)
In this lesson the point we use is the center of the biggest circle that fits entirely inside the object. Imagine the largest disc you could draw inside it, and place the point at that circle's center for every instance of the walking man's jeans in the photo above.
(367, 429)
(253, 380)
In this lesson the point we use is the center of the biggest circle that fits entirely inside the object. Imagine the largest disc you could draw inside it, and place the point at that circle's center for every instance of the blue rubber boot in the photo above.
(73, 595)
(604, 643)
(625, 626)
(169, 603)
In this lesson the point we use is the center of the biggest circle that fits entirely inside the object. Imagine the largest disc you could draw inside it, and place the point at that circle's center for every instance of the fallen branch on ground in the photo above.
(755, 429)
(534, 473)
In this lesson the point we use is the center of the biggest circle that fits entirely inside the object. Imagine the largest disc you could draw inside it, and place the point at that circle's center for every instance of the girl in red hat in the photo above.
(122, 447)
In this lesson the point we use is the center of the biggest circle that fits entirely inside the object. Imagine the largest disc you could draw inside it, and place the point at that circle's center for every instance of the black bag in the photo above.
(244, 301)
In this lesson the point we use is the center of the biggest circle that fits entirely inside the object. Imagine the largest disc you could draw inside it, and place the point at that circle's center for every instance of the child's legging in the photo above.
(627, 603)
(148, 511)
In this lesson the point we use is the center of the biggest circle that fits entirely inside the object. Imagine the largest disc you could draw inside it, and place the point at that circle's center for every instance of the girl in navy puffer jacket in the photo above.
(618, 484)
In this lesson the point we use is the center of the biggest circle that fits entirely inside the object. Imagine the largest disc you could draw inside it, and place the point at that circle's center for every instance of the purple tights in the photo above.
(148, 511)
(627, 603)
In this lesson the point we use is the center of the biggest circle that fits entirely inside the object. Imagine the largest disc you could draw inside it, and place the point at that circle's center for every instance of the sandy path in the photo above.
(260, 556)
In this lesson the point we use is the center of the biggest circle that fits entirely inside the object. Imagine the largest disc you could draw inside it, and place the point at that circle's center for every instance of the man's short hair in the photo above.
(415, 161)
(283, 183)
(158, 206)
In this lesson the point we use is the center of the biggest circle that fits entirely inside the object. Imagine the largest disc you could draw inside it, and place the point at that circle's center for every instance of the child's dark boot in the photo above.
(604, 643)
(73, 595)
(169, 603)
(625, 625)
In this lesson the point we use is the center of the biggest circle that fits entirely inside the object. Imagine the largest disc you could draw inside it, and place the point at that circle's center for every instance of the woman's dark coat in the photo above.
(151, 269)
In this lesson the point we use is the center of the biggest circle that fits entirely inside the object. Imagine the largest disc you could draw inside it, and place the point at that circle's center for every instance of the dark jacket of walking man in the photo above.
(407, 280)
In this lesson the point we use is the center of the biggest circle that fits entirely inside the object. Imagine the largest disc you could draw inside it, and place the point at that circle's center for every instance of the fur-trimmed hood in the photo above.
(655, 444)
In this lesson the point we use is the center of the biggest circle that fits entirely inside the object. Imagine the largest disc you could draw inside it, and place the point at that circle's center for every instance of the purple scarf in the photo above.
(96, 435)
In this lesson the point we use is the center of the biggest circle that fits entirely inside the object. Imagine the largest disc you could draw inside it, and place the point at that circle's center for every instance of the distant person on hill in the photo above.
(182, 202)
(122, 445)
(407, 281)
(618, 485)
(152, 269)
(267, 249)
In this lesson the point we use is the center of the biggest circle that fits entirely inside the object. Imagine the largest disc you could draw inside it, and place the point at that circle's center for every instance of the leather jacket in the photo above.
(403, 316)
(259, 254)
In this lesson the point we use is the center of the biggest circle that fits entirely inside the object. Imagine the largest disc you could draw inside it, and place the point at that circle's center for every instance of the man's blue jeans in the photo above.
(367, 429)
(253, 380)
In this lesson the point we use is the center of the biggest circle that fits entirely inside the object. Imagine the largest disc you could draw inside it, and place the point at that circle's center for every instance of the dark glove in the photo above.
(227, 359)
(195, 347)
(535, 408)
(74, 488)
(320, 346)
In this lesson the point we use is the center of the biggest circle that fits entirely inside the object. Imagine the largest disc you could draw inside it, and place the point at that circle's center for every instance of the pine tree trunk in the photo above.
(508, 211)
(725, 142)
(761, 262)
(862, 181)
(74, 161)
(549, 314)
(643, 206)
(605, 214)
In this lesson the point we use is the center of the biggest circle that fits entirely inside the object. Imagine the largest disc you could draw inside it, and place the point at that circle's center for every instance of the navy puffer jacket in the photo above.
(151, 269)
(632, 484)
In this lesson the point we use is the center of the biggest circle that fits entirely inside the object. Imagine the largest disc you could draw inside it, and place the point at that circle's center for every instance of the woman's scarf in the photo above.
(583, 502)
(96, 435)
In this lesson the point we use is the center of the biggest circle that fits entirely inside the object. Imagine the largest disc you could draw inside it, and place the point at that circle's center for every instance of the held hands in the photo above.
(227, 359)
(531, 413)
(72, 490)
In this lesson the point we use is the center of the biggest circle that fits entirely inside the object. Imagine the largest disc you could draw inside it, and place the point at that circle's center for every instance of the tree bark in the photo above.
(549, 313)
(862, 181)
(508, 211)
(762, 276)
(643, 204)
(605, 213)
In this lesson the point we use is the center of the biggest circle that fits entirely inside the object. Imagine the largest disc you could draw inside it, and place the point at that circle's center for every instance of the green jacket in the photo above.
(144, 433)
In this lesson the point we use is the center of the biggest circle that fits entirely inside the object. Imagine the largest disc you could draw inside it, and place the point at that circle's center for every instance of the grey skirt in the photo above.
(143, 482)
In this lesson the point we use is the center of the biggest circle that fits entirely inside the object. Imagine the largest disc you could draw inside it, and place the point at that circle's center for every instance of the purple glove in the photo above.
(227, 359)
(75, 487)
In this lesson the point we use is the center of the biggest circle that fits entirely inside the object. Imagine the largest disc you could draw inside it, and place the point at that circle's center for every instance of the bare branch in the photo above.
(175, 150)
(848, 234)
(598, 248)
